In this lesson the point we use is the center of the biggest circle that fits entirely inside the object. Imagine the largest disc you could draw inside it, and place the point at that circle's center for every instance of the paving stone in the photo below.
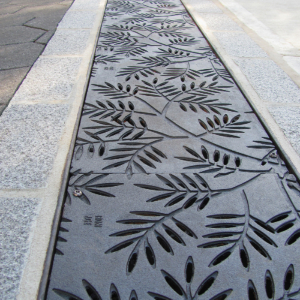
(65, 42)
(16, 19)
(10, 9)
(270, 82)
(288, 118)
(17, 217)
(10, 80)
(26, 160)
(205, 6)
(47, 17)
(220, 22)
(49, 79)
(19, 34)
(85, 5)
(19, 55)
(175, 190)
(78, 19)
(239, 44)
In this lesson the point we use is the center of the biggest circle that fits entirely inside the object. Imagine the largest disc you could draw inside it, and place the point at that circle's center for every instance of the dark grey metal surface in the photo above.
(176, 191)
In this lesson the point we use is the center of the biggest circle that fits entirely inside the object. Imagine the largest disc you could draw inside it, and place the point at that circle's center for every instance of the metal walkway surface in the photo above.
(176, 191)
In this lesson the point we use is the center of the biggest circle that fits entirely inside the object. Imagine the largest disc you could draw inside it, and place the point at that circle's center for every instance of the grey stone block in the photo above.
(220, 21)
(19, 55)
(205, 6)
(85, 4)
(78, 19)
(17, 216)
(10, 80)
(288, 118)
(29, 136)
(19, 34)
(66, 42)
(50, 79)
(270, 82)
(239, 44)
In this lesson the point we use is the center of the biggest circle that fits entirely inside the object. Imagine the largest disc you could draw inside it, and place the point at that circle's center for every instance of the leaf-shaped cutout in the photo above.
(234, 119)
(263, 236)
(85, 199)
(137, 136)
(179, 181)
(285, 226)
(220, 258)
(121, 104)
(293, 238)
(189, 270)
(217, 121)
(269, 285)
(121, 245)
(114, 294)
(191, 151)
(158, 296)
(129, 232)
(166, 181)
(147, 213)
(210, 122)
(289, 278)
(110, 104)
(190, 202)
(120, 86)
(226, 159)
(216, 156)
(115, 165)
(99, 192)
(143, 122)
(101, 149)
(222, 295)
(115, 132)
(132, 261)
(216, 244)
(279, 217)
(204, 202)
(90, 151)
(150, 254)
(173, 283)
(152, 156)
(244, 256)
(237, 161)
(131, 106)
(133, 295)
(193, 108)
(204, 152)
(260, 249)
(182, 107)
(164, 243)
(158, 152)
(139, 167)
(160, 197)
(184, 228)
(146, 162)
(175, 200)
(225, 119)
(65, 295)
(91, 291)
(252, 293)
(206, 284)
(79, 152)
(176, 237)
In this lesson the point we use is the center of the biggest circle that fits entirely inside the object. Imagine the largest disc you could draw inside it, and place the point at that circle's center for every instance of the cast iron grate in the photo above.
(176, 191)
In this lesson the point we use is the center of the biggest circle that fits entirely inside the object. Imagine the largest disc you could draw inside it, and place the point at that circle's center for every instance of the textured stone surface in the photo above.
(85, 5)
(239, 44)
(176, 190)
(220, 22)
(68, 42)
(19, 34)
(10, 80)
(19, 55)
(49, 79)
(205, 6)
(17, 217)
(25, 160)
(288, 118)
(78, 19)
(270, 82)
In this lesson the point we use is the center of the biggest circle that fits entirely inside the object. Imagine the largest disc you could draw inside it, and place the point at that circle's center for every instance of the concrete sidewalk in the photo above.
(36, 129)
